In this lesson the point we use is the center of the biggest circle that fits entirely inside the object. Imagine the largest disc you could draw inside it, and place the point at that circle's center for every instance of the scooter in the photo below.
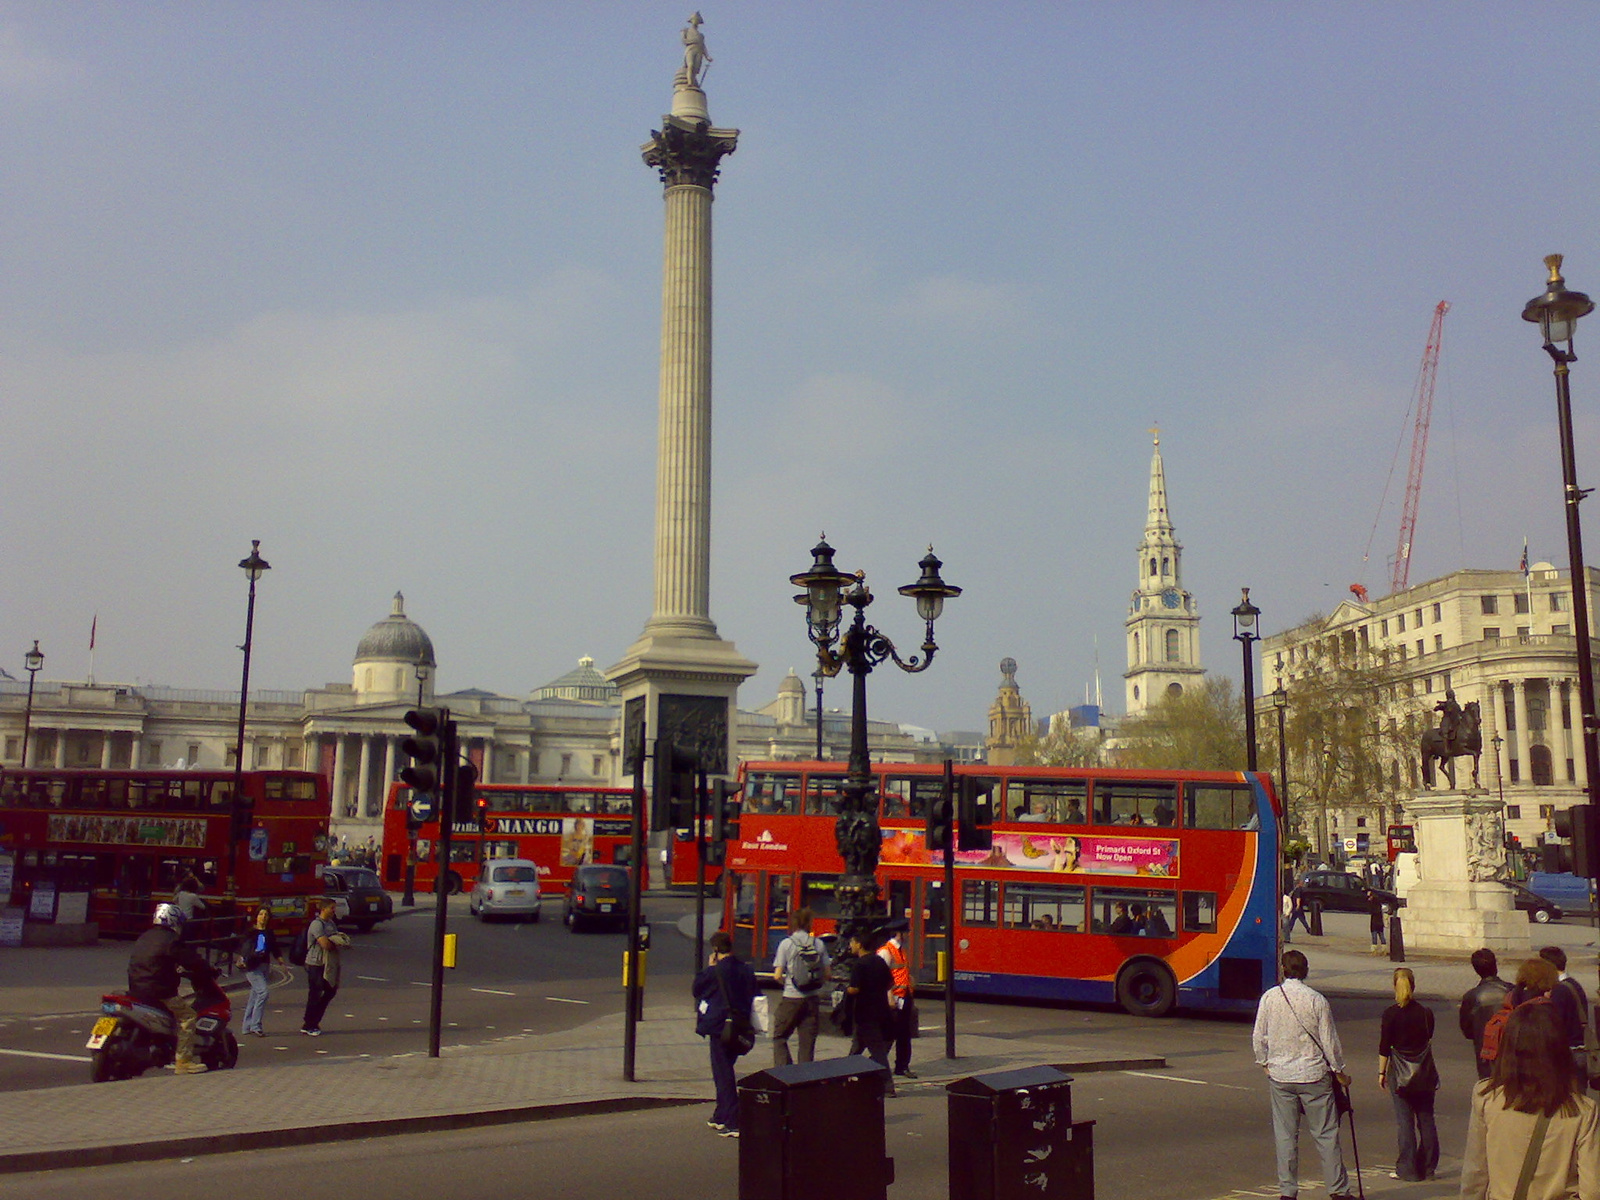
(133, 1036)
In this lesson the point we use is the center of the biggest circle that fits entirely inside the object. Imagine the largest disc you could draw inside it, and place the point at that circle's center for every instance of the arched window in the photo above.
(1172, 646)
(1539, 761)
(1152, 568)
(1174, 690)
(1166, 567)
(367, 687)
(1136, 648)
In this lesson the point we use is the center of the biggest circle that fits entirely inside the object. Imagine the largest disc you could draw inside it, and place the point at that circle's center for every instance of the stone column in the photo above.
(339, 812)
(309, 759)
(105, 750)
(61, 749)
(1574, 726)
(364, 779)
(1519, 699)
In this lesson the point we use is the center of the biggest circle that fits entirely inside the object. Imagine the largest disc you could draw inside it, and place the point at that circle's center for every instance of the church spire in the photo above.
(1163, 620)
(1158, 522)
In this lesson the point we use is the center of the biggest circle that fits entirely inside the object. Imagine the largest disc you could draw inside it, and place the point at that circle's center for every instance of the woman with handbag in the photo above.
(1533, 1134)
(1407, 1071)
(724, 991)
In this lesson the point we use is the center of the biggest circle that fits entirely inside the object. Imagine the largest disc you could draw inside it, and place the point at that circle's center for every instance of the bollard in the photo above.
(644, 962)
(1316, 918)
(1397, 941)
(450, 950)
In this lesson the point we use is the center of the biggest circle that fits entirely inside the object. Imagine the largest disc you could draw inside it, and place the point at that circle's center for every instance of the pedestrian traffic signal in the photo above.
(672, 798)
(726, 808)
(940, 818)
(464, 796)
(423, 748)
(1581, 854)
(976, 813)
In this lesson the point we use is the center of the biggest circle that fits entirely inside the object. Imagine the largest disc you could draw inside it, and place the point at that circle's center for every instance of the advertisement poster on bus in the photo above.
(1093, 854)
(189, 832)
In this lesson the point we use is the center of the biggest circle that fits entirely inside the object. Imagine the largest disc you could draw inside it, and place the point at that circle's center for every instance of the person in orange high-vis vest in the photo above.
(902, 1012)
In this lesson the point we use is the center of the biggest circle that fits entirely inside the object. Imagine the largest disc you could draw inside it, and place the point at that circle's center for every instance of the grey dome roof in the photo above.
(396, 638)
(583, 683)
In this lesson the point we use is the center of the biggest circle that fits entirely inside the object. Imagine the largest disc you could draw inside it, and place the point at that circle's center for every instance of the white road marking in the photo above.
(493, 992)
(373, 978)
(1180, 1079)
(42, 1054)
(564, 1000)
(414, 983)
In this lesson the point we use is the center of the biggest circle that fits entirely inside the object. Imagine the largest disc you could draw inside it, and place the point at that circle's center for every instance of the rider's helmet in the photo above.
(171, 916)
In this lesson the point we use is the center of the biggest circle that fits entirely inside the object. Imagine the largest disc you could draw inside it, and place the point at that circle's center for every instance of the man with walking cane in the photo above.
(1298, 1047)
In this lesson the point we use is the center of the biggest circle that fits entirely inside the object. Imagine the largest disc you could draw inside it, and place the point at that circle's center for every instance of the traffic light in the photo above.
(423, 747)
(464, 798)
(672, 803)
(1581, 854)
(940, 818)
(726, 807)
(976, 813)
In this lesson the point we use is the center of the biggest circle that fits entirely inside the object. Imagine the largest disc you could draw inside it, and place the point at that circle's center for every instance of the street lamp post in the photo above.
(1244, 632)
(33, 660)
(1557, 312)
(819, 677)
(1280, 703)
(1499, 774)
(861, 648)
(254, 567)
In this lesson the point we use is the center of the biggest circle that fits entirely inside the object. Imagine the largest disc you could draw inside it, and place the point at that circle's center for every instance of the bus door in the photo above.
(930, 929)
(760, 902)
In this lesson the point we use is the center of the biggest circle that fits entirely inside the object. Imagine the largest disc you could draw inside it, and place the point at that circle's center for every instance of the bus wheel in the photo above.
(1146, 988)
(452, 883)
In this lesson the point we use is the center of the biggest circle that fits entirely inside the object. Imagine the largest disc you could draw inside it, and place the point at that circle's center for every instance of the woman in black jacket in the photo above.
(1407, 1072)
(258, 949)
(726, 986)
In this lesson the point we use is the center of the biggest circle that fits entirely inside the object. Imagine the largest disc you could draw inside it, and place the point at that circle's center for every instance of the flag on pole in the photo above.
(92, 625)
(1524, 567)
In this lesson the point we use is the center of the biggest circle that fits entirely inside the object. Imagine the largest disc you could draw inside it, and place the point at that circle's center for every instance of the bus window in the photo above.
(1060, 802)
(1048, 906)
(779, 889)
(900, 797)
(1119, 802)
(1200, 912)
(822, 795)
(980, 903)
(817, 892)
(1134, 912)
(1219, 806)
(772, 792)
(742, 889)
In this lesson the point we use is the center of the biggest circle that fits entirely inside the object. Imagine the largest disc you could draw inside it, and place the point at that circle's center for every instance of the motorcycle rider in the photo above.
(159, 956)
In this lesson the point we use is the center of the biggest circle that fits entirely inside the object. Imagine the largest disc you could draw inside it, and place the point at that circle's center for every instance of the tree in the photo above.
(1063, 746)
(1201, 729)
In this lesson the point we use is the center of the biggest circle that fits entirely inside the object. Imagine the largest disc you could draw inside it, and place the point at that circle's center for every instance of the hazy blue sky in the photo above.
(379, 284)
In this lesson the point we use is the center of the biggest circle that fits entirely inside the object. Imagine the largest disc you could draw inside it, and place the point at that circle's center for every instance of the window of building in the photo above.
(1438, 643)
(1383, 628)
(1172, 646)
(1513, 812)
(1521, 602)
(1427, 684)
(595, 765)
(1546, 811)
(1152, 568)
(13, 747)
(1166, 567)
(292, 757)
(566, 765)
(1400, 623)
(1543, 769)
(1419, 618)
(1524, 630)
(1558, 602)
(1420, 650)
(152, 754)
(261, 757)
(1361, 822)
(1491, 632)
(1561, 630)
(194, 753)
(1489, 605)
(1402, 654)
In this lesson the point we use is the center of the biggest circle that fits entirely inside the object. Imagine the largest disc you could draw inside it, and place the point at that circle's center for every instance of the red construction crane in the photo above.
(1419, 449)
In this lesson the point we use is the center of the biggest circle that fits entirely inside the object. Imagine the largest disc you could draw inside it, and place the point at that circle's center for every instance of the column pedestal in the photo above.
(1459, 903)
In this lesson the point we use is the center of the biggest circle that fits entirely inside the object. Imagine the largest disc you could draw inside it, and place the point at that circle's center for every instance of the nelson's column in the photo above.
(679, 680)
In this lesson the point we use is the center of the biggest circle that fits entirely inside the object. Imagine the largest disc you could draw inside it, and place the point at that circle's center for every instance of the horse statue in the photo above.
(1453, 737)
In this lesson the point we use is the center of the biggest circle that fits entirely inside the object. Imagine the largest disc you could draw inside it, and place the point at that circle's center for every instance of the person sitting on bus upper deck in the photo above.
(1163, 813)
(1136, 819)
(1074, 813)
(1123, 922)
(1155, 924)
(1026, 813)
(1140, 920)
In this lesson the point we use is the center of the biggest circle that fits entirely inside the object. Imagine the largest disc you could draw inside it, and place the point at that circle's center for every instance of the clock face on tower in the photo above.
(1169, 598)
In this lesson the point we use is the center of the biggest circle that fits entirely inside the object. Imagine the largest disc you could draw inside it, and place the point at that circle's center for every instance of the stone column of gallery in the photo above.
(679, 681)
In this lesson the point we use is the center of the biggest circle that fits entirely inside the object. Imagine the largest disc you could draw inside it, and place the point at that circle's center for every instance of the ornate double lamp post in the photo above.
(254, 567)
(1244, 632)
(33, 660)
(1280, 705)
(1557, 313)
(859, 648)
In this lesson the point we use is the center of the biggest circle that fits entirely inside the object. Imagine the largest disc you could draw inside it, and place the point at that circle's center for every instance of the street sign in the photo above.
(422, 806)
(1350, 845)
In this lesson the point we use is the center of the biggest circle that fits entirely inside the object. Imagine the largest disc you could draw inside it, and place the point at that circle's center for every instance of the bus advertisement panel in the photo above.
(557, 828)
(1145, 888)
(126, 839)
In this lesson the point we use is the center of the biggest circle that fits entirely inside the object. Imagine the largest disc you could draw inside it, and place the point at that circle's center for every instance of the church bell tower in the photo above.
(1163, 621)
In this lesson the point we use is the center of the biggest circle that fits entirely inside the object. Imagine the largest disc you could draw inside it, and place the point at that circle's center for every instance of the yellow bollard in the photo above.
(644, 960)
(449, 949)
(944, 966)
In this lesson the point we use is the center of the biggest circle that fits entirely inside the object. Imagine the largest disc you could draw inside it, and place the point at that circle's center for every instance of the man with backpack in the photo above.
(801, 966)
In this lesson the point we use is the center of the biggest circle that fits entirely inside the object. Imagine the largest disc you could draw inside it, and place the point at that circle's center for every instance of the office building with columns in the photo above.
(1502, 638)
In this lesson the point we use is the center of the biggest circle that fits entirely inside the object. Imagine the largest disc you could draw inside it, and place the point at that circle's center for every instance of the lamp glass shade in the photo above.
(255, 565)
(1556, 325)
(33, 660)
(822, 601)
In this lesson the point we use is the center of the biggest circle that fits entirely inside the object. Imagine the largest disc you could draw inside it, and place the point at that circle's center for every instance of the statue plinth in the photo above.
(1459, 902)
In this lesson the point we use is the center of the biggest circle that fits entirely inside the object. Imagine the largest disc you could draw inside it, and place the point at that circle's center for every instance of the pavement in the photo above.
(535, 1077)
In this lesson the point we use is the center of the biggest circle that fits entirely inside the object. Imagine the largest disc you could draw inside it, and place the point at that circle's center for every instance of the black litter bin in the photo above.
(814, 1129)
(1012, 1136)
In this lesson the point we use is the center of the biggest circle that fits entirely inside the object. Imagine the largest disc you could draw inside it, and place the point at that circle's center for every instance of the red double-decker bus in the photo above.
(1145, 888)
(106, 846)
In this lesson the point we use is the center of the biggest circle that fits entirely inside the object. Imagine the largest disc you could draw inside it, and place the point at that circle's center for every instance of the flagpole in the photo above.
(93, 624)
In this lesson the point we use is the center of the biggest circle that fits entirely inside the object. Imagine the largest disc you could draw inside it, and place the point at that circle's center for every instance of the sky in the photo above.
(380, 286)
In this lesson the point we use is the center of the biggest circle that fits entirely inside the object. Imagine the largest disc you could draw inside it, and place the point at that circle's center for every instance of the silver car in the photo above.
(506, 887)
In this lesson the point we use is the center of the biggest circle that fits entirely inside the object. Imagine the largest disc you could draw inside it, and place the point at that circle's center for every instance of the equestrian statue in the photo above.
(1457, 733)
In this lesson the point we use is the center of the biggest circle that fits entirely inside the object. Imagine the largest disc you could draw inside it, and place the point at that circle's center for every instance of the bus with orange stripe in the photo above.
(1148, 889)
